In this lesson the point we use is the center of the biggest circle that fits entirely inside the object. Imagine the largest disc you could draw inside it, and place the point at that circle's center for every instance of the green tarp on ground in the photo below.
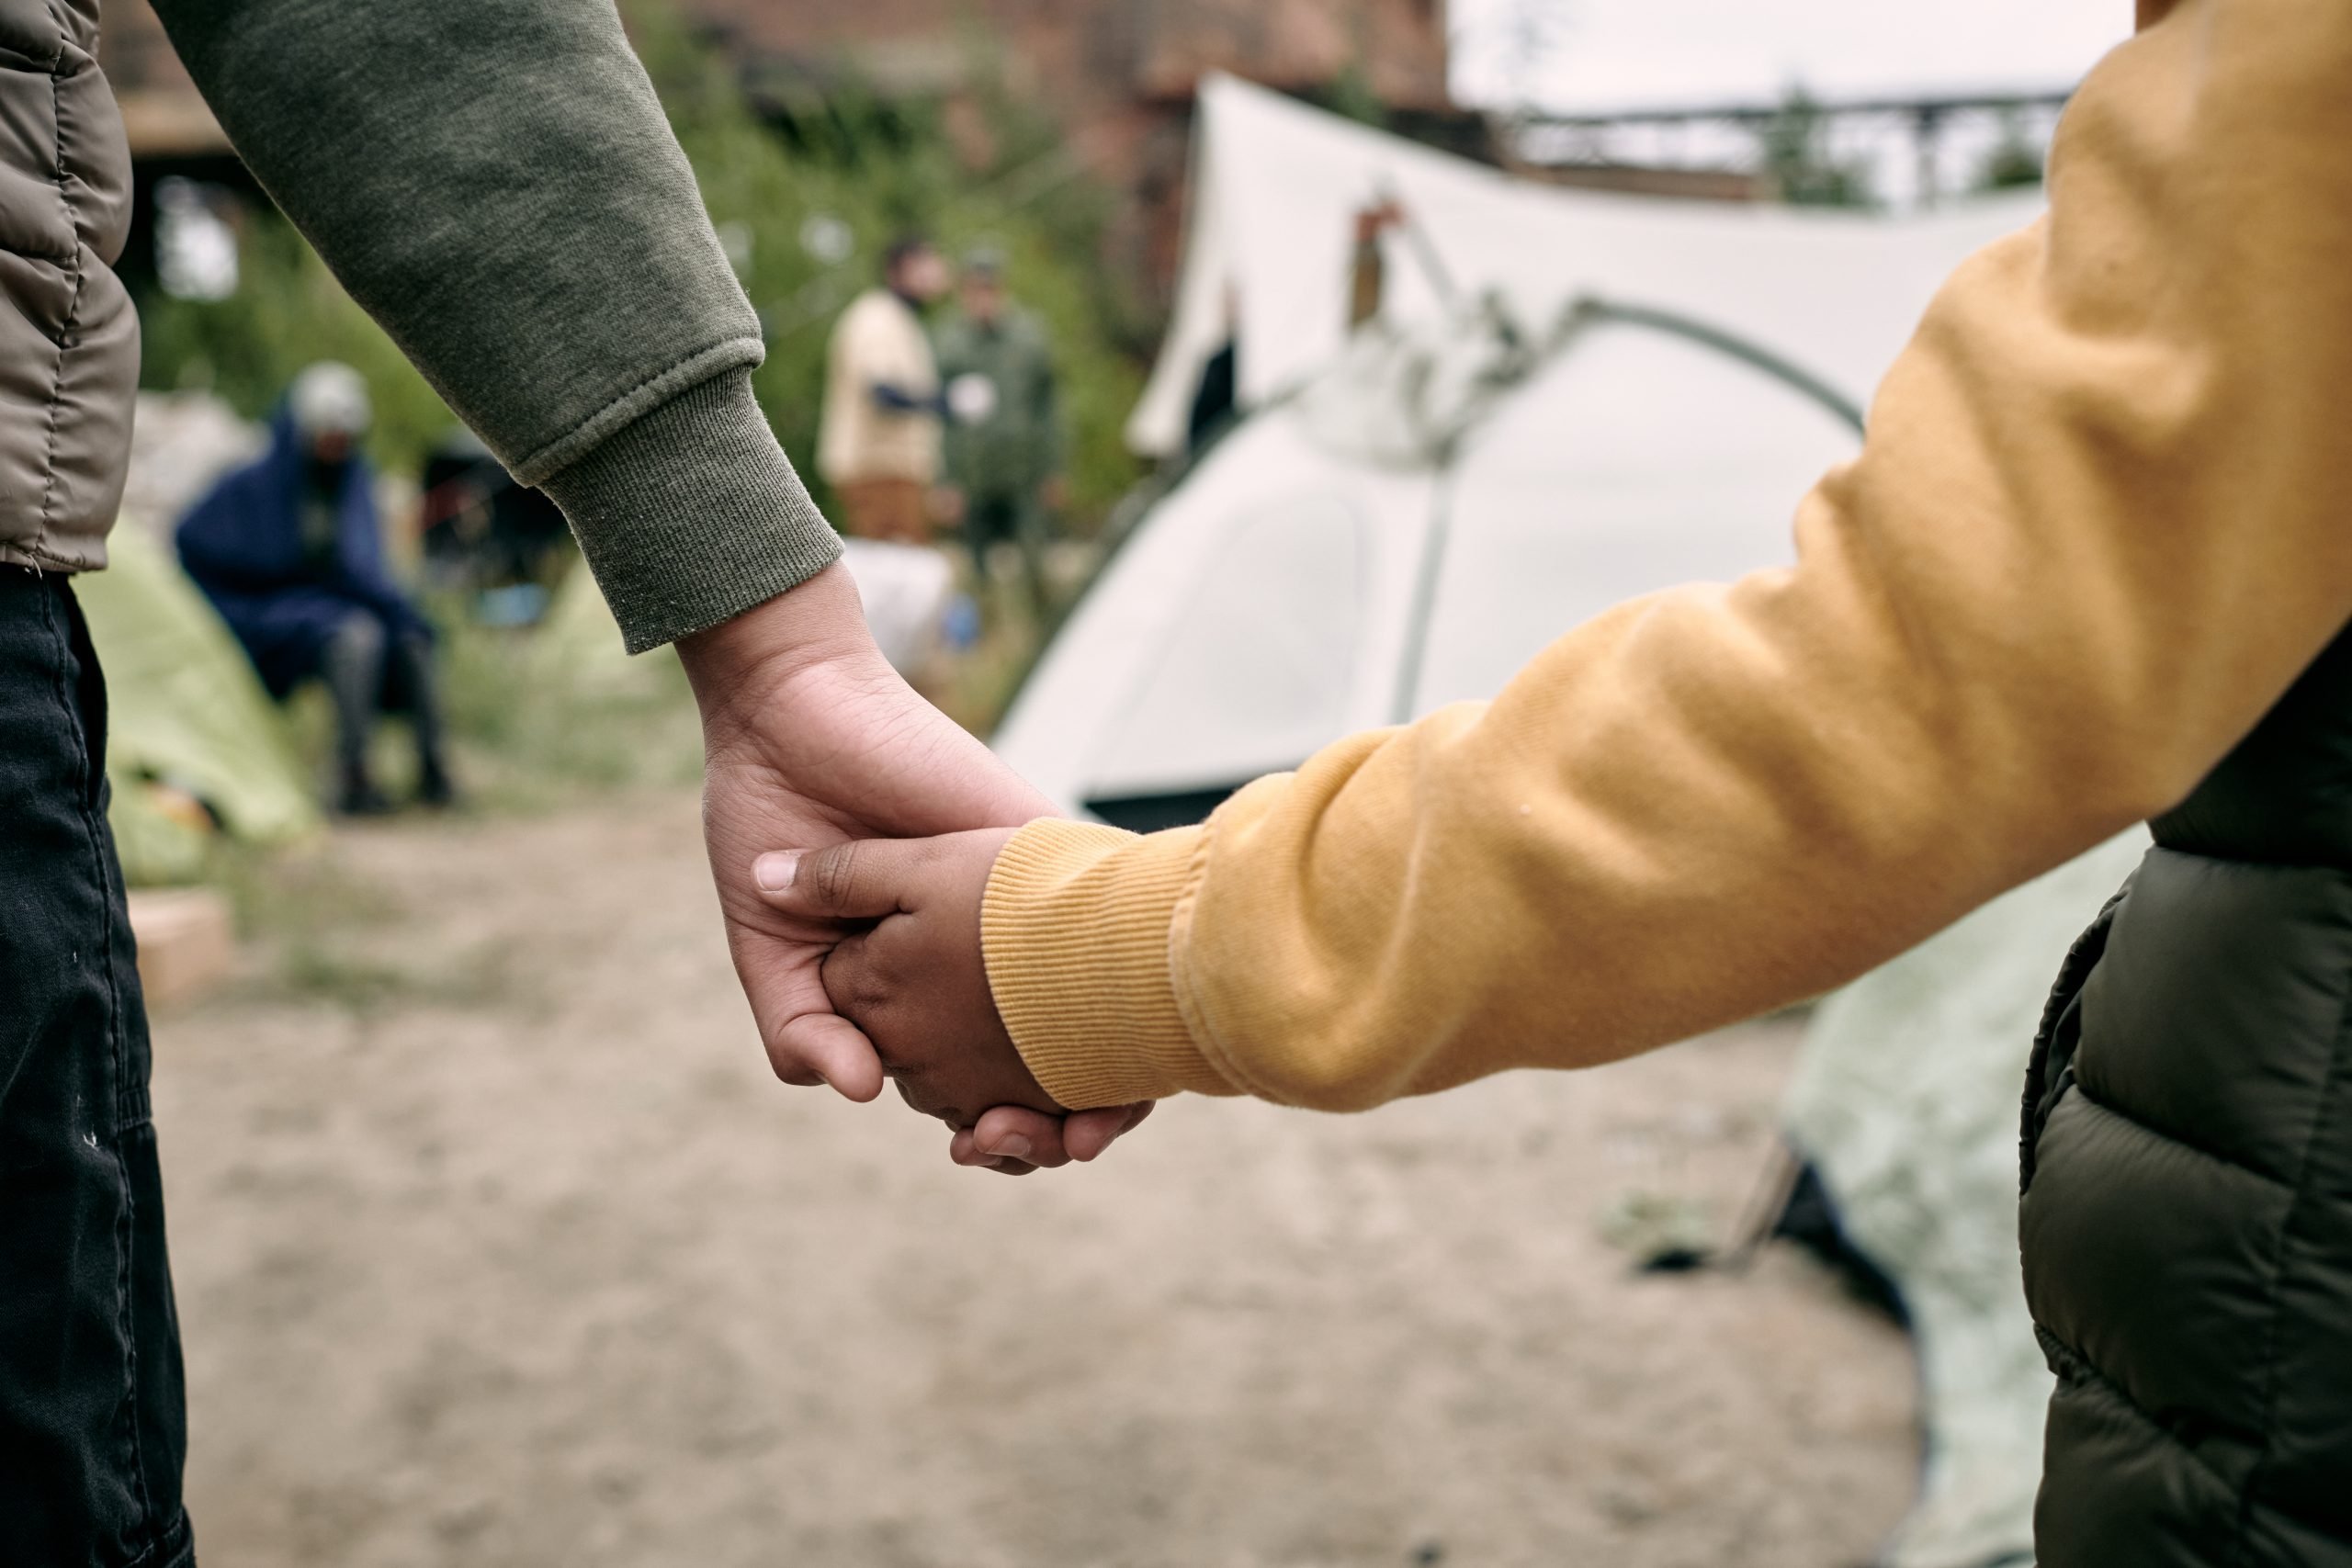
(185, 711)
(577, 648)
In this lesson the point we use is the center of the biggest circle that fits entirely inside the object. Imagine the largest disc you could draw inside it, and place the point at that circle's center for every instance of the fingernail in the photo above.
(776, 872)
(1012, 1145)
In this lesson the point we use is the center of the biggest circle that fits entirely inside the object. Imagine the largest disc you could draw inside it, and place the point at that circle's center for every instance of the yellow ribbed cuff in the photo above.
(1075, 930)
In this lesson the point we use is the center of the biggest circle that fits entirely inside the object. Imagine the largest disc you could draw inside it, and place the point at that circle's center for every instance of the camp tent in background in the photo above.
(191, 736)
(1277, 186)
(1566, 400)
(194, 745)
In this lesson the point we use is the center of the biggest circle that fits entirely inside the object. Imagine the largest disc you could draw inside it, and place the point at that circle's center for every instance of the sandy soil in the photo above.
(497, 1244)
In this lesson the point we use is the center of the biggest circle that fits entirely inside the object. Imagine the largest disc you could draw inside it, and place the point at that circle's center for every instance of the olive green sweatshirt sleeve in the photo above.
(2098, 528)
(495, 182)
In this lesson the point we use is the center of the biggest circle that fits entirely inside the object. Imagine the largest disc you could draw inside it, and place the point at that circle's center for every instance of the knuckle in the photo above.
(860, 981)
(832, 875)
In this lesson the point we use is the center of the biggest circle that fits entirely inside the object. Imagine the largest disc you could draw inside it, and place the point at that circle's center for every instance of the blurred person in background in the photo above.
(509, 202)
(290, 550)
(878, 445)
(1005, 443)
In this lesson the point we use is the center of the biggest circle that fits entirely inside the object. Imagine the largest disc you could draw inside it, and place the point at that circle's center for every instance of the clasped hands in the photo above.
(828, 784)
(906, 971)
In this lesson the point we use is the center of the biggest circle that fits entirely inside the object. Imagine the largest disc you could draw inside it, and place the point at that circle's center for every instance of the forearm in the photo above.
(2096, 530)
(495, 182)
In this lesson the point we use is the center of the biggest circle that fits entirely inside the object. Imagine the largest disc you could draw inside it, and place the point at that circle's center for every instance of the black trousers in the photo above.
(369, 668)
(93, 1426)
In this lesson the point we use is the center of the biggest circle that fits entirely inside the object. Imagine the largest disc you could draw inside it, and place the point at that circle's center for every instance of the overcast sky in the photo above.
(1607, 54)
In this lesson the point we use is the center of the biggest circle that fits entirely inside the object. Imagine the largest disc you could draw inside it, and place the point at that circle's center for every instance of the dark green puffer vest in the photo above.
(2187, 1211)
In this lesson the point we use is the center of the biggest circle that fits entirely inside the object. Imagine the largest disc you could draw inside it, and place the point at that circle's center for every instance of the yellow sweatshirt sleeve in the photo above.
(2102, 519)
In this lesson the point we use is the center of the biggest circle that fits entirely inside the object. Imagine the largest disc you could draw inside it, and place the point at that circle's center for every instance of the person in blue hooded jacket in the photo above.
(289, 550)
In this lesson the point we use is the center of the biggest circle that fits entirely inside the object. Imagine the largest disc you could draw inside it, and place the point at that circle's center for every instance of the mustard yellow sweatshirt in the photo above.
(2102, 519)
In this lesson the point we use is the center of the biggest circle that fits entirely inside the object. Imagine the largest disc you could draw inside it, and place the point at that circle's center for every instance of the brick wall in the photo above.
(1091, 51)
(1120, 73)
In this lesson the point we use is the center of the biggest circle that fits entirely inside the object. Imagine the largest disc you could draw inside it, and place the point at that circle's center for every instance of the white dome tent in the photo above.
(1568, 399)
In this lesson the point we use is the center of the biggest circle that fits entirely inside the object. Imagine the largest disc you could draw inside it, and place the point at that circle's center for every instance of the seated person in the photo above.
(288, 549)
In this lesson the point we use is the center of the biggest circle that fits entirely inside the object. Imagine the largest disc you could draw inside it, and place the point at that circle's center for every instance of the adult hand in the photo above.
(809, 737)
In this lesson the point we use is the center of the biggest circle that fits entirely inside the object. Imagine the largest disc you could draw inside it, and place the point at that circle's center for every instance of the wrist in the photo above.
(689, 513)
(740, 665)
(1079, 932)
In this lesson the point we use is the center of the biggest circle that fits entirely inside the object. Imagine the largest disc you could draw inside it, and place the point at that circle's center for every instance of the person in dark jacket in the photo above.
(290, 550)
(1004, 439)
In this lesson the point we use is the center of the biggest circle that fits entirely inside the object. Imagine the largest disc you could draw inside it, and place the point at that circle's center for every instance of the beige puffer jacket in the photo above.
(69, 340)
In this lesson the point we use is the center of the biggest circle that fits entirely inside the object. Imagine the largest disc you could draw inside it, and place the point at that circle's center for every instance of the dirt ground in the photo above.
(496, 1243)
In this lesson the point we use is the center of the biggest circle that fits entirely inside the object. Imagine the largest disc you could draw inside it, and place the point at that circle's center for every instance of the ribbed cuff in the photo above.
(693, 515)
(1075, 930)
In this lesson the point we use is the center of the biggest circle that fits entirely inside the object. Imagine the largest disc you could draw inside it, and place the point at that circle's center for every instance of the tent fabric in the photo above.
(1906, 1102)
(1298, 587)
(577, 648)
(186, 709)
(1269, 244)
(1415, 508)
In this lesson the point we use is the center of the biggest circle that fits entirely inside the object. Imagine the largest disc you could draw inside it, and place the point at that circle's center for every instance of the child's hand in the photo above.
(910, 973)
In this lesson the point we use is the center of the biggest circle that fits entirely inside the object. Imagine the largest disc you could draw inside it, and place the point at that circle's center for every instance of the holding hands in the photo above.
(812, 740)
(907, 968)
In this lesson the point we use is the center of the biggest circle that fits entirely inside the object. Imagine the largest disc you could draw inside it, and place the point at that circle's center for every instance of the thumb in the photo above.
(865, 879)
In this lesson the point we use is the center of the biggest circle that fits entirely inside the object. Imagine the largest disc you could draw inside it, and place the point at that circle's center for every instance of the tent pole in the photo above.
(1424, 606)
(1591, 308)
